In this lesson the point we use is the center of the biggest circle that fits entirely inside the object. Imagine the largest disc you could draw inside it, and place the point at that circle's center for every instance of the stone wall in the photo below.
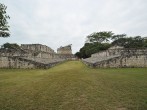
(14, 62)
(37, 47)
(32, 56)
(44, 55)
(65, 56)
(21, 62)
(127, 61)
(118, 58)
(29, 56)
(64, 50)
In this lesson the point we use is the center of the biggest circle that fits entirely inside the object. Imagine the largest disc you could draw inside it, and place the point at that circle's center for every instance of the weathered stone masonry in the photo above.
(31, 56)
(118, 57)
(65, 52)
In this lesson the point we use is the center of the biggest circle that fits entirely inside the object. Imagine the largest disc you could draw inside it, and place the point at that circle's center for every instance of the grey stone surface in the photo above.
(31, 56)
(37, 48)
(118, 57)
(66, 50)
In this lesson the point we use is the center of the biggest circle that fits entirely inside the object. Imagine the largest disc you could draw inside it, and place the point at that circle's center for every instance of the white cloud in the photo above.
(61, 22)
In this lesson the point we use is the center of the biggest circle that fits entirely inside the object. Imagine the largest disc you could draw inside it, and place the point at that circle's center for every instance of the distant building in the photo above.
(64, 50)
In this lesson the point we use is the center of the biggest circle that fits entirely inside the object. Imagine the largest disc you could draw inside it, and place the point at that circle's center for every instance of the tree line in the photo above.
(99, 41)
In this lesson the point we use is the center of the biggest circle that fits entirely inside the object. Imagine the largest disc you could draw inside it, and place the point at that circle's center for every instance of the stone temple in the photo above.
(34, 56)
(64, 50)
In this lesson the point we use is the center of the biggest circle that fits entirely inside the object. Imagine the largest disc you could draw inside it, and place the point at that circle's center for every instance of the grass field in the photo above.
(73, 86)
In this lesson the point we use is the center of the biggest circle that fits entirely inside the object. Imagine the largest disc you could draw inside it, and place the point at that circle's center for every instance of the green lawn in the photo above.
(73, 86)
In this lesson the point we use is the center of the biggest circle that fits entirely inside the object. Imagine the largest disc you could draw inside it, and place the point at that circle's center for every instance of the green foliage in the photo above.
(90, 48)
(145, 42)
(78, 54)
(118, 36)
(99, 37)
(99, 41)
(131, 42)
(10, 46)
(4, 28)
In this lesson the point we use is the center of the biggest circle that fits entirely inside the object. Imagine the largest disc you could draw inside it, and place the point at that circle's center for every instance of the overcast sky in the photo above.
(58, 23)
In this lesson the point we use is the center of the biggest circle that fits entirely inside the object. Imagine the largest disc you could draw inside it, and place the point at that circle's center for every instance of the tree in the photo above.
(145, 41)
(118, 36)
(91, 48)
(10, 46)
(130, 42)
(100, 37)
(4, 28)
(99, 41)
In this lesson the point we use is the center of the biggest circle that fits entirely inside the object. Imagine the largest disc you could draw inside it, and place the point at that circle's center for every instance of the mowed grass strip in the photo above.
(73, 86)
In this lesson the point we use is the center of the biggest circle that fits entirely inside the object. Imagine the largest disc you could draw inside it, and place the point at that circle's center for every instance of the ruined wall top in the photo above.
(65, 50)
(37, 48)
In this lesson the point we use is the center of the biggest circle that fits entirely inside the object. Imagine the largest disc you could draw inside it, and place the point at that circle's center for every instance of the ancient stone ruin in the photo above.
(65, 52)
(42, 56)
(32, 56)
(118, 57)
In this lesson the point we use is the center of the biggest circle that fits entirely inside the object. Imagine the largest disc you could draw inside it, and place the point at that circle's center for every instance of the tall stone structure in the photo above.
(64, 50)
